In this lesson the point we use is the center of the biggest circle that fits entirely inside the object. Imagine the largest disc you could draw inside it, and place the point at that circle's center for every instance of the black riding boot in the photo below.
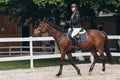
(74, 46)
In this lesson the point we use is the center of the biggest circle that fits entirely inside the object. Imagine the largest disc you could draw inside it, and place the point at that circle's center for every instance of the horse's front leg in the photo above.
(61, 64)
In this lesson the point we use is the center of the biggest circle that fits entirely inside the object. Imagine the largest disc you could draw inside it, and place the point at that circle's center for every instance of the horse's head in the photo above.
(42, 28)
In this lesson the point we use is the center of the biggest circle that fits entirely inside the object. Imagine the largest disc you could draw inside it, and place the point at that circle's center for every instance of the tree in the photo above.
(33, 10)
(91, 8)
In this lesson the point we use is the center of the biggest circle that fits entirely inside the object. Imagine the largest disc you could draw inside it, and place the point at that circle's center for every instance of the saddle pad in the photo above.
(80, 37)
(83, 37)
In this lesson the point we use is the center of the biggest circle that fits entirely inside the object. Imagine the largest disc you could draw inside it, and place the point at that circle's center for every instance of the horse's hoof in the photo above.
(79, 73)
(58, 75)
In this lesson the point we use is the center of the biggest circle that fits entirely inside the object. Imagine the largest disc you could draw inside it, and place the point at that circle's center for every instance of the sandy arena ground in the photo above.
(48, 73)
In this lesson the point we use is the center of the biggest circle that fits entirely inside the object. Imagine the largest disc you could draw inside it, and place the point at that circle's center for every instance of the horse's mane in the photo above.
(57, 27)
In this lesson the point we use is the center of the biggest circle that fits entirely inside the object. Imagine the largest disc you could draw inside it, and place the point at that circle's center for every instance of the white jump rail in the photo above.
(20, 51)
(31, 57)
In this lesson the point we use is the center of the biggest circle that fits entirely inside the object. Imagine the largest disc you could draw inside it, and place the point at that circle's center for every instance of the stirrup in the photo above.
(75, 47)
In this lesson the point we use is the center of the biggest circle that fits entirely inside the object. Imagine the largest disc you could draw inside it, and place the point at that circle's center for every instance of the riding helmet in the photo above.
(73, 5)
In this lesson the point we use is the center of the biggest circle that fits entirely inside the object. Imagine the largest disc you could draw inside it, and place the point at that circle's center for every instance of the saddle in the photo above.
(80, 36)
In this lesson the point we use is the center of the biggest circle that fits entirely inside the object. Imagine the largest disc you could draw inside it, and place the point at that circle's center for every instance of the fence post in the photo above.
(56, 48)
(10, 51)
(31, 53)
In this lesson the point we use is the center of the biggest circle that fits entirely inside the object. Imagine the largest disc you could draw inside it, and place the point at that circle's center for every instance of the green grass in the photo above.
(52, 62)
(14, 65)
(37, 63)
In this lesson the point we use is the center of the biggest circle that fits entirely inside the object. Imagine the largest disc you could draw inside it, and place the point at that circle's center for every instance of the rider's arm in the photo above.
(77, 18)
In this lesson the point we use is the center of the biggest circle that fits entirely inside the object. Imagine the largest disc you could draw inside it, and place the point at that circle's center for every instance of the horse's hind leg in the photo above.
(71, 61)
(94, 53)
(101, 52)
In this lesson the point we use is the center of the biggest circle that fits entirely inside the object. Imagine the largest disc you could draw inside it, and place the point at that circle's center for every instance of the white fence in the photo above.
(31, 57)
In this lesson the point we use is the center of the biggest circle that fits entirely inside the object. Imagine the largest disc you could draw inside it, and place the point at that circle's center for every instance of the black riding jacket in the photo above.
(75, 20)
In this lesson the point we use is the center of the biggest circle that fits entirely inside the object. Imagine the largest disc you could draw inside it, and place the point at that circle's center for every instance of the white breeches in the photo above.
(75, 31)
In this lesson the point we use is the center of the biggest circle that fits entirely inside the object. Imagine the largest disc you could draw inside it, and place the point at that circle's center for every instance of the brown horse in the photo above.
(96, 42)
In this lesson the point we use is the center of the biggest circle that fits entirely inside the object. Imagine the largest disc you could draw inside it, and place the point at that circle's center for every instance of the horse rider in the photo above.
(74, 24)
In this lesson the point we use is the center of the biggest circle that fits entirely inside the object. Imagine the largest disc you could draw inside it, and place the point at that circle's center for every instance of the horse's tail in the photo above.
(107, 49)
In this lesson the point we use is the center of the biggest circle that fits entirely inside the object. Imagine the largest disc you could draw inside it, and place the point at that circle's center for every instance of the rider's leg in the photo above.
(74, 42)
(73, 35)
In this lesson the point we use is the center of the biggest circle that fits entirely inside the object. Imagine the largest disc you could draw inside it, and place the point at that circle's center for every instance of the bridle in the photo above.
(40, 28)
